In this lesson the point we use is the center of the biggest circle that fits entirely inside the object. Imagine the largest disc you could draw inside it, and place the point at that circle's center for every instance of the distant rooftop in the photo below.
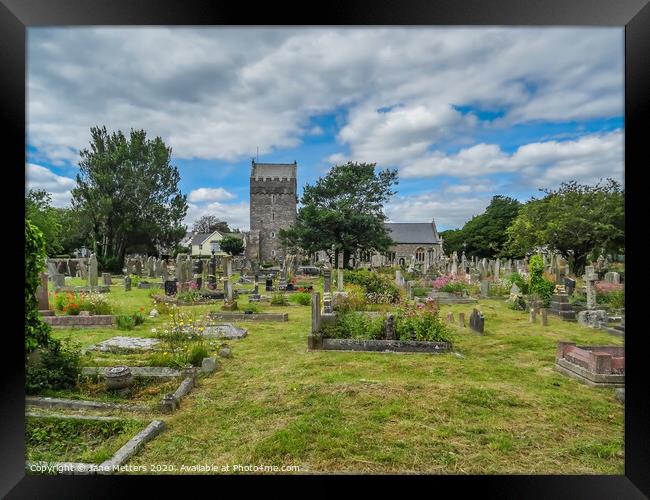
(413, 232)
(281, 170)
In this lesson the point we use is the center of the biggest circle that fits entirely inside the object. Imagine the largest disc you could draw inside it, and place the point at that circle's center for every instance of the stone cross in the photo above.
(92, 271)
(590, 280)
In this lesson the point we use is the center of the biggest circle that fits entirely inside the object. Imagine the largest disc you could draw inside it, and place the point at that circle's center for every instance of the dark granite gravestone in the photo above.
(269, 284)
(477, 321)
(570, 285)
(170, 287)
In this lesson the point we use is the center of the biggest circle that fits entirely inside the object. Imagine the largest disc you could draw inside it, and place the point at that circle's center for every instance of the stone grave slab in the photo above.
(120, 343)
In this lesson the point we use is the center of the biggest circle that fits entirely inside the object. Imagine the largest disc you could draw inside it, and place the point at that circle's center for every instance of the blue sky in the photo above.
(462, 113)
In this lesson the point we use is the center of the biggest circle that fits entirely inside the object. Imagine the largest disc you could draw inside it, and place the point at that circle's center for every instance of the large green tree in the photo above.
(128, 190)
(572, 220)
(210, 224)
(485, 235)
(41, 213)
(232, 245)
(344, 211)
(452, 241)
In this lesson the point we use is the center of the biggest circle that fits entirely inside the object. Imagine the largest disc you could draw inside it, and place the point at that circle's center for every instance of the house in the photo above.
(202, 244)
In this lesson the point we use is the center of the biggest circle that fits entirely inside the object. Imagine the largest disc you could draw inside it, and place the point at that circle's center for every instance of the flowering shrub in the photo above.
(379, 289)
(72, 303)
(422, 322)
(354, 301)
(610, 294)
(355, 325)
(449, 284)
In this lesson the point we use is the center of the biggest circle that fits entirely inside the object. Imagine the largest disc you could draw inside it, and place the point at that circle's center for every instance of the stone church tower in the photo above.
(273, 201)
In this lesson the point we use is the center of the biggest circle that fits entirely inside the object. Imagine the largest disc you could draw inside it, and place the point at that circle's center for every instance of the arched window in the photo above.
(419, 254)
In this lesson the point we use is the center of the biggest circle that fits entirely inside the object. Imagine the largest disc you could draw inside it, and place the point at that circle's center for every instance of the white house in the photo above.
(202, 244)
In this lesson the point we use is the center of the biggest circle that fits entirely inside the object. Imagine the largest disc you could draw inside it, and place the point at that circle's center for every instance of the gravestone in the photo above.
(389, 327)
(269, 284)
(58, 280)
(461, 319)
(514, 289)
(106, 279)
(178, 272)
(163, 270)
(127, 283)
(590, 282)
(485, 289)
(137, 267)
(409, 289)
(533, 315)
(170, 287)
(315, 312)
(212, 272)
(477, 321)
(339, 278)
(327, 279)
(450, 317)
(92, 271)
(570, 285)
(613, 277)
(42, 294)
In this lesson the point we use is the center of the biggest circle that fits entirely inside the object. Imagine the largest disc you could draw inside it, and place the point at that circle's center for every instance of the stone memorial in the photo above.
(127, 283)
(477, 321)
(106, 279)
(92, 271)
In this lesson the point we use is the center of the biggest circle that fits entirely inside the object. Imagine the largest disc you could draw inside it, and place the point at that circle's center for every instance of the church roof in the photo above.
(413, 232)
(281, 170)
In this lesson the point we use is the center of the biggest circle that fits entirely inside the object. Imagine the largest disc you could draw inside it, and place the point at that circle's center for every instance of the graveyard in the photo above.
(258, 392)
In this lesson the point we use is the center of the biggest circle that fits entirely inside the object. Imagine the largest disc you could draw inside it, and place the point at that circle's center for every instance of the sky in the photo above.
(463, 114)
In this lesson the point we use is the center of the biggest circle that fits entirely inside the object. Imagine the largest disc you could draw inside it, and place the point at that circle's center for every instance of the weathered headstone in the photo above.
(477, 321)
(514, 289)
(461, 319)
(327, 279)
(58, 280)
(42, 293)
(315, 312)
(92, 271)
(533, 315)
(170, 287)
(613, 277)
(450, 317)
(106, 279)
(485, 289)
(339, 280)
(389, 327)
(590, 282)
(570, 285)
(127, 283)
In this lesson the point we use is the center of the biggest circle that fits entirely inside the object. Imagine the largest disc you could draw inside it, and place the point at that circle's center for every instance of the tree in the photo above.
(452, 241)
(41, 213)
(37, 333)
(344, 211)
(232, 245)
(210, 224)
(572, 220)
(485, 235)
(128, 190)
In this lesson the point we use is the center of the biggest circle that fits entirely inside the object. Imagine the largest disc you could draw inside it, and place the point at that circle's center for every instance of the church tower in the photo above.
(273, 202)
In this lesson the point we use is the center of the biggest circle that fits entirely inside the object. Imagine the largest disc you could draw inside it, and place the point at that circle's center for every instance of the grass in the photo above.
(500, 409)
(87, 441)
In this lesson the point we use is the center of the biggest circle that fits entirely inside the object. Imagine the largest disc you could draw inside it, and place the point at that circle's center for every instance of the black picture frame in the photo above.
(17, 15)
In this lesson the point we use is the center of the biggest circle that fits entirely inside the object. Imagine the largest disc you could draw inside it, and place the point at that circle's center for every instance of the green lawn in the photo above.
(498, 409)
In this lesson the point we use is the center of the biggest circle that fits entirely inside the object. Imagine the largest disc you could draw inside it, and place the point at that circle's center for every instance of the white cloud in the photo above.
(449, 212)
(219, 93)
(538, 164)
(210, 194)
(39, 177)
(235, 214)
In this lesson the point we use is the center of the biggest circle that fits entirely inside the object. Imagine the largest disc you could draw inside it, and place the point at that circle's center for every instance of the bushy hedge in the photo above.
(539, 285)
(378, 288)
